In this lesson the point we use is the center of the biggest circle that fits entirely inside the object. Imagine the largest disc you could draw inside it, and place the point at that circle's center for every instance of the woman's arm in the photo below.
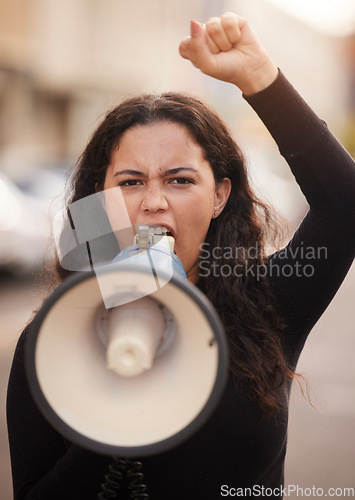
(43, 464)
(307, 274)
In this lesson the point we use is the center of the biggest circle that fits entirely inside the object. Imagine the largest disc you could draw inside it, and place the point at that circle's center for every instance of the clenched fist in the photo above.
(227, 48)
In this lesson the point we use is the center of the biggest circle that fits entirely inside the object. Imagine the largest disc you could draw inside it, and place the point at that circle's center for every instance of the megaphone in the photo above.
(138, 371)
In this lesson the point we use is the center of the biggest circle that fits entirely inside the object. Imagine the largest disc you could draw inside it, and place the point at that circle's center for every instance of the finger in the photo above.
(211, 45)
(231, 24)
(216, 32)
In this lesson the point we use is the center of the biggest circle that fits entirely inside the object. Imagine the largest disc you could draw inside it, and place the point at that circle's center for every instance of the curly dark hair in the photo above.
(246, 306)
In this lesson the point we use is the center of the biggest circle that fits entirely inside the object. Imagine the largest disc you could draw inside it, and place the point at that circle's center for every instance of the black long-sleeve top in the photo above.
(238, 447)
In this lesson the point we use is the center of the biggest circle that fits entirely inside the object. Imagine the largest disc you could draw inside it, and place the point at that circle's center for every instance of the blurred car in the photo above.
(25, 226)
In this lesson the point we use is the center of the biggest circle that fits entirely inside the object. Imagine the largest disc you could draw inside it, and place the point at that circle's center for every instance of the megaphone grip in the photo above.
(135, 332)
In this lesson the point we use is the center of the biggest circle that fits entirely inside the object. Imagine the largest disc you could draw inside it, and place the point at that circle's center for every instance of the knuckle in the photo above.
(229, 15)
(213, 19)
(229, 24)
(213, 27)
(233, 18)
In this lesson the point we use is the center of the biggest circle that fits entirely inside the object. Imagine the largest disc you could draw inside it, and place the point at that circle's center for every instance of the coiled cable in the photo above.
(136, 477)
(119, 470)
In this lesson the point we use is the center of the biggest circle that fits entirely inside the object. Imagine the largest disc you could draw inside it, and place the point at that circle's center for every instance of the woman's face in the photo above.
(165, 180)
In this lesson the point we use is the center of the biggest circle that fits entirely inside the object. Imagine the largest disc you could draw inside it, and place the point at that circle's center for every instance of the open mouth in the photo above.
(170, 233)
(159, 229)
(168, 230)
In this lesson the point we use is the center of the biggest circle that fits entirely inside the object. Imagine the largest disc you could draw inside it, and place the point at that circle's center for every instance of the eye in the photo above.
(130, 182)
(181, 180)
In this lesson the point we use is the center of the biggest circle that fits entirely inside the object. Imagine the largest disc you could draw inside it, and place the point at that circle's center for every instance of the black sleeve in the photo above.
(308, 272)
(44, 465)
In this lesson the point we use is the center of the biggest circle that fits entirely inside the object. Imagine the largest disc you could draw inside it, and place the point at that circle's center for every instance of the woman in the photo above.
(177, 165)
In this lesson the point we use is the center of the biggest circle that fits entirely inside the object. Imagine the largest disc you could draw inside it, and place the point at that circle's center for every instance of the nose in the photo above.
(154, 200)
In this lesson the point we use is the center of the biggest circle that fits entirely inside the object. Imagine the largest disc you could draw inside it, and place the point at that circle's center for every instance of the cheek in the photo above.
(117, 207)
(196, 227)
(119, 215)
(124, 202)
(201, 213)
(198, 213)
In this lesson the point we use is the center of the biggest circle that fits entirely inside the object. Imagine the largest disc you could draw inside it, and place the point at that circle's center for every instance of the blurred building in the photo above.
(64, 63)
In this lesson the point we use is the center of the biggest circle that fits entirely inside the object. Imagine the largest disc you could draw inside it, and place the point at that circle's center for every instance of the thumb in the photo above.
(195, 46)
(184, 48)
(199, 50)
(196, 29)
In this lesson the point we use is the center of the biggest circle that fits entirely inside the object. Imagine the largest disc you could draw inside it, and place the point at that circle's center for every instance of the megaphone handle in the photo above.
(118, 469)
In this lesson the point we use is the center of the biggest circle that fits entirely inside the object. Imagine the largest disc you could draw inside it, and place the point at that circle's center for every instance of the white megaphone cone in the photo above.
(130, 360)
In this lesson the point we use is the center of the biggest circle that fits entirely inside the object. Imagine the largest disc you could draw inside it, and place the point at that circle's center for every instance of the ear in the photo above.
(221, 196)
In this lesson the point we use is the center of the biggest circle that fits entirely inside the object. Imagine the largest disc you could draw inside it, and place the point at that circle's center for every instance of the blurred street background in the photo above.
(63, 64)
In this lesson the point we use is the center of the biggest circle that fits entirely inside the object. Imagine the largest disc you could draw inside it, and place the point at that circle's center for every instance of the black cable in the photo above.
(113, 479)
(120, 469)
(136, 485)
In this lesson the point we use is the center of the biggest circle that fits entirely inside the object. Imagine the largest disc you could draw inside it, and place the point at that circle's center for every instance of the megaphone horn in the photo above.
(134, 379)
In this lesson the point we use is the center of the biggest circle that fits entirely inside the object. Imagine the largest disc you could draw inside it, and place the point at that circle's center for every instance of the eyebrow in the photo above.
(170, 171)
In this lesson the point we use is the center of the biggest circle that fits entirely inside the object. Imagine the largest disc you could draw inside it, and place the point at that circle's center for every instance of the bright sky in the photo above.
(334, 16)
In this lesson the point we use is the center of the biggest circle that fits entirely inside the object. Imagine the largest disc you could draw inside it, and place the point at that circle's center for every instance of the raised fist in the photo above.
(227, 48)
